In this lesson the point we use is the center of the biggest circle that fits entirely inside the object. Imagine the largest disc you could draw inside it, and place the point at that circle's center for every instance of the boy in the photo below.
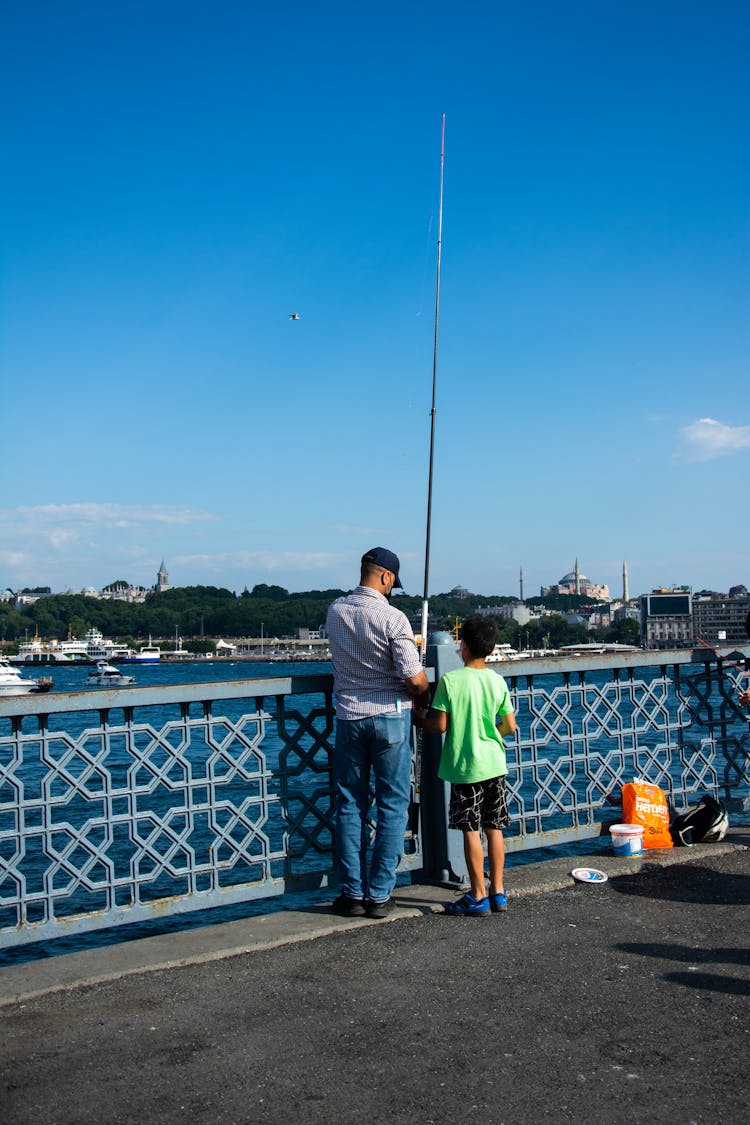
(472, 707)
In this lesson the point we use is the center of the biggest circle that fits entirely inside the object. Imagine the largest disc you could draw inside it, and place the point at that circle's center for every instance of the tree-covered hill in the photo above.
(213, 611)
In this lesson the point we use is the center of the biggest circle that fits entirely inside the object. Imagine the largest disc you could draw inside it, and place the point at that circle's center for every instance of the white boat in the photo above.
(105, 675)
(149, 654)
(94, 646)
(503, 652)
(97, 648)
(40, 652)
(13, 683)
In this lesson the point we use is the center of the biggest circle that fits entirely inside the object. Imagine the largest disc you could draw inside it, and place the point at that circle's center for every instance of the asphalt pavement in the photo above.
(621, 1002)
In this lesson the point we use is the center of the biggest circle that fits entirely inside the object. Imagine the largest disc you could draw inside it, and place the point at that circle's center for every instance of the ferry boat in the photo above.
(13, 683)
(149, 654)
(93, 647)
(41, 652)
(105, 675)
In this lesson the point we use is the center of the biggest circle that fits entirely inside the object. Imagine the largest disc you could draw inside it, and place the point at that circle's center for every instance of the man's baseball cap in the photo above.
(381, 556)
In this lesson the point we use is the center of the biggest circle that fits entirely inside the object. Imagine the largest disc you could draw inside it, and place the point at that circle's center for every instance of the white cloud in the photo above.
(68, 544)
(269, 561)
(707, 438)
(61, 537)
(12, 558)
(113, 515)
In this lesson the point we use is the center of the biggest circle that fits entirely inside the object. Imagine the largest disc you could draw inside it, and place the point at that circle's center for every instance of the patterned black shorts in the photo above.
(480, 804)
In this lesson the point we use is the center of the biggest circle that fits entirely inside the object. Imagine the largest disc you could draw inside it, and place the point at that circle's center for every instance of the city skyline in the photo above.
(623, 594)
(180, 179)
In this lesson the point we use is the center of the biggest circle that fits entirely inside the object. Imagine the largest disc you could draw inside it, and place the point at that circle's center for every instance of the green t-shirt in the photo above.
(473, 748)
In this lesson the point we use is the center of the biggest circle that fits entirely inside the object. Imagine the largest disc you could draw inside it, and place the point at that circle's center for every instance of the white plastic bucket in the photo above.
(627, 839)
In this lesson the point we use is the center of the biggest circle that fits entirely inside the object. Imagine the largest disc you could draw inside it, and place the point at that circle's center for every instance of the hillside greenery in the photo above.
(212, 611)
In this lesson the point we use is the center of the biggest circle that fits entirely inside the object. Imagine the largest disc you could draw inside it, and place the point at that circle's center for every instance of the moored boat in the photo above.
(93, 647)
(13, 683)
(149, 654)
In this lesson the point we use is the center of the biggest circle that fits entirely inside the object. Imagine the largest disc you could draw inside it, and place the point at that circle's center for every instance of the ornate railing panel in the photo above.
(587, 724)
(581, 738)
(127, 804)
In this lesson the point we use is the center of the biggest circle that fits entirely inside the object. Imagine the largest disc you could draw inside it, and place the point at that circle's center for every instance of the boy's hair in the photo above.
(480, 636)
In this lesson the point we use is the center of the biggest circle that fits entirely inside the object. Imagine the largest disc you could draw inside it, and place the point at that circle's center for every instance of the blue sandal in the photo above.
(468, 906)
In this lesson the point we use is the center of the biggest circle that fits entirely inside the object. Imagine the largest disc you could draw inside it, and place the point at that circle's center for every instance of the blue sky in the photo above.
(178, 177)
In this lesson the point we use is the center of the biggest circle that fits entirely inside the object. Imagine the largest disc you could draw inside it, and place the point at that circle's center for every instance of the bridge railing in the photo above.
(128, 804)
(589, 723)
(133, 803)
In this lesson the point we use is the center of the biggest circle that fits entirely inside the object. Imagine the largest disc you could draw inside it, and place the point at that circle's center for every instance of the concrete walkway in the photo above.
(620, 1003)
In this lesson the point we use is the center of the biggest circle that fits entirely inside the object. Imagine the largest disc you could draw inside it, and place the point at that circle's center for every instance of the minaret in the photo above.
(625, 594)
(578, 578)
(162, 579)
(520, 584)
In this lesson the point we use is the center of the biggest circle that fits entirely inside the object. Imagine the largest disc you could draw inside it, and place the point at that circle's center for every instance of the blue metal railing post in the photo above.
(442, 849)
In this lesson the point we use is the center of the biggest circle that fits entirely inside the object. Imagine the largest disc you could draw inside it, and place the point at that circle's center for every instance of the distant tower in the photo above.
(162, 579)
(578, 578)
(520, 584)
(625, 594)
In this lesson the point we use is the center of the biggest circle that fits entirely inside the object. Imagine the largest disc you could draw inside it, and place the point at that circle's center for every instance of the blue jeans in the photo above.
(381, 743)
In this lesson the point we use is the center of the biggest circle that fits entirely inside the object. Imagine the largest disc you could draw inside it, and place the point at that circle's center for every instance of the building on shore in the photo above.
(121, 591)
(678, 618)
(721, 618)
(577, 583)
(162, 579)
(667, 618)
(510, 611)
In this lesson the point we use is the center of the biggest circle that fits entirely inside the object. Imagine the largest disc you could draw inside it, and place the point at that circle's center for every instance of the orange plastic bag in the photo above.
(645, 804)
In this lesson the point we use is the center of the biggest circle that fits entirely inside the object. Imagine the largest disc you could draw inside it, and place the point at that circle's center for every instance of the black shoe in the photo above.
(379, 909)
(348, 907)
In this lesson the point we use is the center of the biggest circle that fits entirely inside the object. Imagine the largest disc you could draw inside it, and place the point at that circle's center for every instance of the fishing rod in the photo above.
(417, 784)
(423, 639)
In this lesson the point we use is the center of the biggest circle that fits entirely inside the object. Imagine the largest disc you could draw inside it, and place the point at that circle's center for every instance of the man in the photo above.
(376, 676)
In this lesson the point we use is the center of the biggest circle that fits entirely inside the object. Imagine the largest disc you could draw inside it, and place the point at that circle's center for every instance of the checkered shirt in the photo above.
(373, 651)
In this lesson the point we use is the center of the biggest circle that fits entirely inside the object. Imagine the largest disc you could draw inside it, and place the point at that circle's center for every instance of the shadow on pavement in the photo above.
(686, 882)
(692, 956)
(731, 986)
(687, 953)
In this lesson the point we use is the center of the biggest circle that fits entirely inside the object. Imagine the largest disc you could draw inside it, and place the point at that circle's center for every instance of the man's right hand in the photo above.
(419, 687)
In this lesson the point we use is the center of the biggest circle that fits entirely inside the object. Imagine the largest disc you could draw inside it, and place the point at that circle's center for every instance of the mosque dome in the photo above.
(569, 579)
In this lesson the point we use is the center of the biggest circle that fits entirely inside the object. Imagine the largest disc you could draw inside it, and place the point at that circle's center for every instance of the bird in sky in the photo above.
(294, 316)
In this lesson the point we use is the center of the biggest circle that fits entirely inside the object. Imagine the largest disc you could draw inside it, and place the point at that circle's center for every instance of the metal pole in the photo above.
(423, 645)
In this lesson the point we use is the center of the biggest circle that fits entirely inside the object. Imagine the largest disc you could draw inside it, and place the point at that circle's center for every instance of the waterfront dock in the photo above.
(621, 1003)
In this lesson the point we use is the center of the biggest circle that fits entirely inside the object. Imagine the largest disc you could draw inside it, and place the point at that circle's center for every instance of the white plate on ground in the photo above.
(589, 875)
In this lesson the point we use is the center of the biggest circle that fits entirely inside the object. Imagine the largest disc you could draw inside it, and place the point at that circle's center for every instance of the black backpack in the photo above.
(706, 823)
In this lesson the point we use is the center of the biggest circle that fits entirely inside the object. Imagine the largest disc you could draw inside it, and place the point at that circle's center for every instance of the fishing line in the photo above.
(724, 661)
